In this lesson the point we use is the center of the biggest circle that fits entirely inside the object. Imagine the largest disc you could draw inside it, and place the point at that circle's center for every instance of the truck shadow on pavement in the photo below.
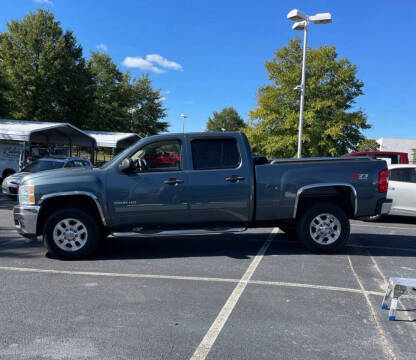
(245, 246)
(238, 246)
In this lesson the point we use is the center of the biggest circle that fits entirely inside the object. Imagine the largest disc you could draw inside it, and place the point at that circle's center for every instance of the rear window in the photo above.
(215, 154)
(403, 175)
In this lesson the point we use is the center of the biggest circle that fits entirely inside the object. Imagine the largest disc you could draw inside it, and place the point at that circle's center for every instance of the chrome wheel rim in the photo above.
(325, 229)
(70, 234)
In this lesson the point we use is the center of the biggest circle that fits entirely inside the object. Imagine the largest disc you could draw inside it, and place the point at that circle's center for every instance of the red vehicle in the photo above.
(392, 157)
(163, 159)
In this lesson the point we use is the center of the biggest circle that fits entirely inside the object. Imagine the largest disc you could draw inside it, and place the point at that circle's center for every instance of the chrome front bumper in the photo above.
(26, 219)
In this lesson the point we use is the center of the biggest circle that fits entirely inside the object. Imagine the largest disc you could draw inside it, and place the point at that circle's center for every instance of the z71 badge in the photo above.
(359, 176)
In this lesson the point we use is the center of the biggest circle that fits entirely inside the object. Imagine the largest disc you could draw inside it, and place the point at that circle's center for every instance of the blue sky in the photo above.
(212, 53)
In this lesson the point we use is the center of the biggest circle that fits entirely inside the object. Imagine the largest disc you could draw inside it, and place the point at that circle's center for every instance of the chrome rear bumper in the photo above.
(385, 206)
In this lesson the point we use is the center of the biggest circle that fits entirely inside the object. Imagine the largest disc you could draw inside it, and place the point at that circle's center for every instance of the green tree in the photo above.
(368, 145)
(227, 119)
(146, 110)
(44, 69)
(122, 103)
(331, 127)
(4, 104)
(111, 95)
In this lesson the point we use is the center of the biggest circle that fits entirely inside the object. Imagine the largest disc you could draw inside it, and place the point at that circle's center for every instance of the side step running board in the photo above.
(178, 232)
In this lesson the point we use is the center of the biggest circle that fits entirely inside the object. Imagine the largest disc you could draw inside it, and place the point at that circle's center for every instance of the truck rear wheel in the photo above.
(71, 234)
(323, 228)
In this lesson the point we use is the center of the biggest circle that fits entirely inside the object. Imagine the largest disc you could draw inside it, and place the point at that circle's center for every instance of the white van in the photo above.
(11, 157)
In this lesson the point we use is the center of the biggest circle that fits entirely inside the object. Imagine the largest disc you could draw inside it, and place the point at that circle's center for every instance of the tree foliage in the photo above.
(110, 95)
(44, 69)
(146, 110)
(44, 76)
(368, 145)
(331, 127)
(228, 119)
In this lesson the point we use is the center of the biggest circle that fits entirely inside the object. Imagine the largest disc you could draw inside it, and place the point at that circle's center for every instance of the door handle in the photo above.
(173, 181)
(234, 178)
(392, 188)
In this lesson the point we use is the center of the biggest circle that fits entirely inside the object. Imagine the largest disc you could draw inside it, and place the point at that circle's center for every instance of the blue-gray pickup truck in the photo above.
(197, 183)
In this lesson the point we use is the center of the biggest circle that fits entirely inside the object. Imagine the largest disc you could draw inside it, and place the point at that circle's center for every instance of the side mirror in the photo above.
(127, 165)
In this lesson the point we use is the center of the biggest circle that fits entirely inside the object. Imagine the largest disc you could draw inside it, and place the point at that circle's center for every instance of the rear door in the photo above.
(219, 181)
(402, 190)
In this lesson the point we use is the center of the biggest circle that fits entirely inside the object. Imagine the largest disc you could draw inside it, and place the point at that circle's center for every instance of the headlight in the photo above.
(27, 194)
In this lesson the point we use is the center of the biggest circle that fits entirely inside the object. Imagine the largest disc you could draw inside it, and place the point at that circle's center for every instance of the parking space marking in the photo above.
(312, 286)
(386, 346)
(208, 341)
(189, 278)
(94, 273)
(384, 227)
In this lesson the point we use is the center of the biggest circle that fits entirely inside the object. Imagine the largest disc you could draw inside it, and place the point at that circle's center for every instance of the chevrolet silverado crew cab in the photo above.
(211, 183)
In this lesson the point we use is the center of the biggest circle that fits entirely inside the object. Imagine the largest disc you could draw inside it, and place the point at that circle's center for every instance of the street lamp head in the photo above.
(322, 18)
(297, 15)
(183, 116)
(299, 25)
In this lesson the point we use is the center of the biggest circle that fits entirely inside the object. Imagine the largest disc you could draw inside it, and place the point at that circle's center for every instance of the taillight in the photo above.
(383, 181)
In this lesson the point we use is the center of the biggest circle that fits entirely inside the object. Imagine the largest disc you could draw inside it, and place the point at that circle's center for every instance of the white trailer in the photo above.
(18, 136)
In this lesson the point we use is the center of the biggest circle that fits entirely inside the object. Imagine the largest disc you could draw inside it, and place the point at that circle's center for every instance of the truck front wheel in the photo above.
(323, 228)
(71, 234)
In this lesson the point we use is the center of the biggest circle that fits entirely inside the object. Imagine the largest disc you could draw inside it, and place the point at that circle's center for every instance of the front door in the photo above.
(153, 195)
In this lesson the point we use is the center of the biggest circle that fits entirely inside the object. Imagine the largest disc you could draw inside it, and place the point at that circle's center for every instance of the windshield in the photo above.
(42, 165)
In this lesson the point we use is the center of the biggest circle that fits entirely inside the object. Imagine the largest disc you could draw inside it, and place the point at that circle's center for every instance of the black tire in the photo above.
(337, 236)
(90, 241)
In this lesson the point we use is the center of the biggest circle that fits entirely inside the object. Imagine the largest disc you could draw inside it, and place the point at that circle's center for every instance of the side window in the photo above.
(403, 175)
(215, 154)
(163, 155)
(85, 163)
(69, 164)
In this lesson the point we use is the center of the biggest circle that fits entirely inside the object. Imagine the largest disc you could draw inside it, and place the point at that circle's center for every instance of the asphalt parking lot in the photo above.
(256, 295)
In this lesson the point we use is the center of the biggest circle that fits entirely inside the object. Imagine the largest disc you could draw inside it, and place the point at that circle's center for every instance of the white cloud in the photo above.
(163, 62)
(162, 98)
(166, 92)
(152, 62)
(102, 47)
(139, 62)
(43, 2)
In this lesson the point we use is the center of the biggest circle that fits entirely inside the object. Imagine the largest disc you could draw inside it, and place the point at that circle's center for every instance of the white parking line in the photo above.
(94, 273)
(311, 286)
(385, 227)
(189, 278)
(207, 342)
(386, 346)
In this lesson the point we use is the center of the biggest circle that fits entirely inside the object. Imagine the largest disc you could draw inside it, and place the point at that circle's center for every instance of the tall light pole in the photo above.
(302, 23)
(183, 116)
